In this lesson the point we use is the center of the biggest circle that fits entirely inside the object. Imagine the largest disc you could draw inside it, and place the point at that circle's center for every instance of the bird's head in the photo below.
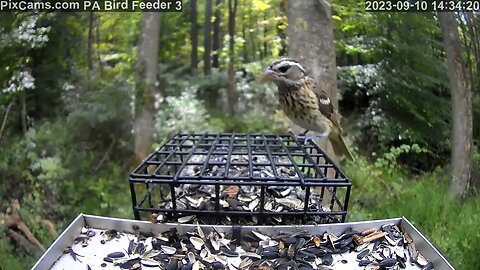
(284, 72)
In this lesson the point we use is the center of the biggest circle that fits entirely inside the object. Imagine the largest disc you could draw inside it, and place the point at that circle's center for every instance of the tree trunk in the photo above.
(216, 34)
(194, 35)
(265, 43)
(281, 33)
(253, 36)
(207, 41)
(231, 95)
(89, 49)
(310, 35)
(259, 40)
(311, 42)
(461, 106)
(244, 36)
(23, 111)
(147, 72)
(5, 118)
(99, 59)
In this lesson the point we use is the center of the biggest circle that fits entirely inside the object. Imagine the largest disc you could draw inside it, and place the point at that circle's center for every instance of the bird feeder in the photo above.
(233, 178)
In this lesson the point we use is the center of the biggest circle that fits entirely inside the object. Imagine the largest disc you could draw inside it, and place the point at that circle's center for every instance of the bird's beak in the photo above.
(268, 75)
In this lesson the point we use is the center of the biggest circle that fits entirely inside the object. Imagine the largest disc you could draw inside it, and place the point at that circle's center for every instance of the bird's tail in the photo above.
(339, 146)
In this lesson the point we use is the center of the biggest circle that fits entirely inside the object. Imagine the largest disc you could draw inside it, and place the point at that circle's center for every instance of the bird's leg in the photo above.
(315, 135)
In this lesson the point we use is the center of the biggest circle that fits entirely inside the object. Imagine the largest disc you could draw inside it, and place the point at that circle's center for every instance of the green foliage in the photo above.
(390, 160)
(245, 124)
(174, 33)
(422, 101)
(11, 258)
(59, 173)
(197, 108)
(357, 84)
(184, 113)
(450, 225)
(356, 33)
(403, 98)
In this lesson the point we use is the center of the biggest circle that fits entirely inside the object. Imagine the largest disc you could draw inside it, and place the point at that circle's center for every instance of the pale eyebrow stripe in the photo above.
(291, 63)
(299, 66)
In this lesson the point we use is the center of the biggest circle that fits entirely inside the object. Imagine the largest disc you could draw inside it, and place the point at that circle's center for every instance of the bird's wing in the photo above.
(325, 105)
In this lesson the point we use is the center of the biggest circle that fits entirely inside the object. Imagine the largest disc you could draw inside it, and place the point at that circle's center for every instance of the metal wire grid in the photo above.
(309, 165)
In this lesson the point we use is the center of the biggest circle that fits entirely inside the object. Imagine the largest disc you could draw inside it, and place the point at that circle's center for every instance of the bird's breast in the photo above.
(303, 110)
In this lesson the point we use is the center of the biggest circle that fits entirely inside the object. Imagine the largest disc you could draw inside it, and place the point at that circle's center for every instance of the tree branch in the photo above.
(23, 242)
(4, 123)
(105, 156)
(50, 227)
(19, 231)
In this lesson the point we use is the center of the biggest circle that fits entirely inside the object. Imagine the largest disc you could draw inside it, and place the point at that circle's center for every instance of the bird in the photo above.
(306, 104)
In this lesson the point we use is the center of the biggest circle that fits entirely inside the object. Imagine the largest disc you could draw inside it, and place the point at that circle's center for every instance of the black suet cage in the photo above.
(233, 178)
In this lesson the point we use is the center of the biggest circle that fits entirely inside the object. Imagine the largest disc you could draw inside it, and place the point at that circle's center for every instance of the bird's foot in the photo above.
(301, 135)
(307, 138)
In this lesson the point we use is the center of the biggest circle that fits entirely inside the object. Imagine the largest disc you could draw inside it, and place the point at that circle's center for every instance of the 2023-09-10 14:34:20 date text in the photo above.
(421, 5)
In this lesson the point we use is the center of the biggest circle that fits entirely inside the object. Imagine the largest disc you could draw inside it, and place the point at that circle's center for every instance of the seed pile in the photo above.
(377, 248)
(246, 197)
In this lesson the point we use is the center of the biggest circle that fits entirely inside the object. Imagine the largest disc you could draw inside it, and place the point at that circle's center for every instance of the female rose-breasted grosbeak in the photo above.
(305, 104)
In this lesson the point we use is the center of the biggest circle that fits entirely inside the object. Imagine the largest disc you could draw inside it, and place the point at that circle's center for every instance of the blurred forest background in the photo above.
(85, 96)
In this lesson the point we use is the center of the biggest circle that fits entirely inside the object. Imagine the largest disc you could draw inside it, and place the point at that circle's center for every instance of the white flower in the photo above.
(68, 86)
(26, 80)
(20, 81)
(29, 35)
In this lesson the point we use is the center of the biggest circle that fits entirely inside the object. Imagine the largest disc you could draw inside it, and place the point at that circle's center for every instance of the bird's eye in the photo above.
(283, 68)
